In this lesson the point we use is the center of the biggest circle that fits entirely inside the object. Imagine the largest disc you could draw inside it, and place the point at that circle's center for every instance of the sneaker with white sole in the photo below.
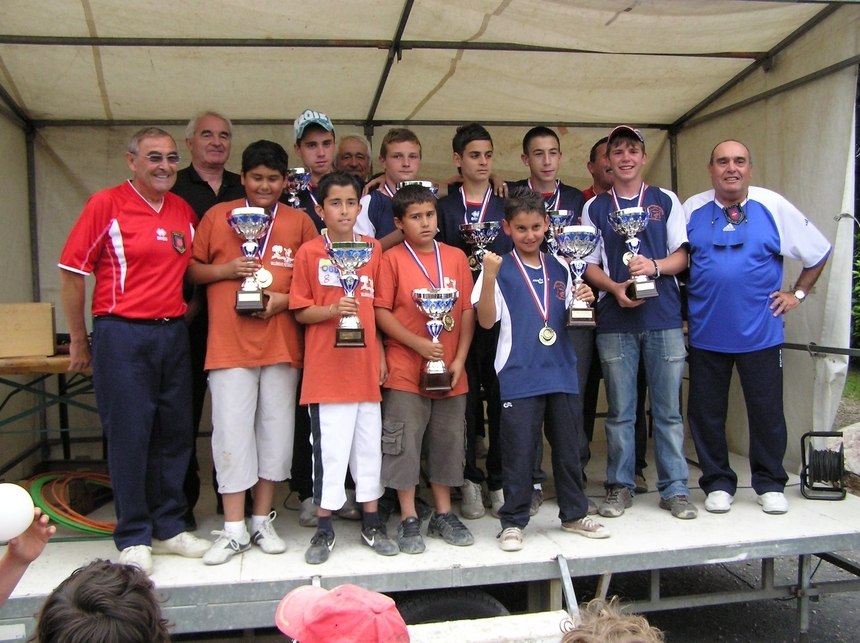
(773, 502)
(472, 504)
(511, 539)
(409, 536)
(139, 556)
(680, 506)
(378, 540)
(308, 513)
(321, 545)
(224, 547)
(618, 498)
(182, 544)
(719, 501)
(450, 529)
(497, 500)
(267, 539)
(585, 527)
(592, 507)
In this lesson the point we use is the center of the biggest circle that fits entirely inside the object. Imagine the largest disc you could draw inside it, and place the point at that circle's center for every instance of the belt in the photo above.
(145, 322)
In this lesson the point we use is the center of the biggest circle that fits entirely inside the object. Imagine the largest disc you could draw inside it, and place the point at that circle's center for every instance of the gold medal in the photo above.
(474, 264)
(547, 336)
(448, 322)
(264, 278)
(627, 257)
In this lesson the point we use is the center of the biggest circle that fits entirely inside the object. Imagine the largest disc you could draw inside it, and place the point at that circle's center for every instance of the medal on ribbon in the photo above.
(546, 335)
(447, 318)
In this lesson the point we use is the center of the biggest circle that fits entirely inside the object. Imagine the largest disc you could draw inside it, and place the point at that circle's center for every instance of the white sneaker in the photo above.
(472, 504)
(308, 513)
(719, 501)
(182, 544)
(267, 539)
(497, 499)
(223, 548)
(511, 539)
(139, 556)
(773, 502)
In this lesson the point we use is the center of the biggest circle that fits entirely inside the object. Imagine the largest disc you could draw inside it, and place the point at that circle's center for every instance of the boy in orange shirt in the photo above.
(253, 360)
(341, 385)
(412, 417)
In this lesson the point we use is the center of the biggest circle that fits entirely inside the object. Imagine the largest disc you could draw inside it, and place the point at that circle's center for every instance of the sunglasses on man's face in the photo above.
(155, 158)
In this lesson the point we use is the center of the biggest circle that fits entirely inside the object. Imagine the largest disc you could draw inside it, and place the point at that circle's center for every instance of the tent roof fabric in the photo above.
(427, 61)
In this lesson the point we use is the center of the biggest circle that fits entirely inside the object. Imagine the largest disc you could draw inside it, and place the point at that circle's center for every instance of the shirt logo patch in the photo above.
(474, 216)
(560, 287)
(161, 234)
(655, 212)
(282, 257)
(366, 286)
(449, 283)
(179, 241)
(729, 228)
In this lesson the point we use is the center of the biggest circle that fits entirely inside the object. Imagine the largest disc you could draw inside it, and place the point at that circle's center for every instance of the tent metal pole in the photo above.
(393, 51)
(358, 123)
(673, 160)
(30, 137)
(794, 84)
(319, 43)
(765, 62)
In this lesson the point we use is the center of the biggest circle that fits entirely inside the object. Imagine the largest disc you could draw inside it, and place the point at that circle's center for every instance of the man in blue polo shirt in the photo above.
(738, 237)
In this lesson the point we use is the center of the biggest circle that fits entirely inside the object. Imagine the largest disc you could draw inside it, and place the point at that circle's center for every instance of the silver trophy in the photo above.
(298, 179)
(575, 243)
(629, 222)
(422, 184)
(436, 303)
(348, 257)
(479, 235)
(252, 224)
(558, 220)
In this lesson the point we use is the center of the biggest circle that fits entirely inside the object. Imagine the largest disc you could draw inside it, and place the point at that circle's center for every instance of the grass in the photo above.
(852, 384)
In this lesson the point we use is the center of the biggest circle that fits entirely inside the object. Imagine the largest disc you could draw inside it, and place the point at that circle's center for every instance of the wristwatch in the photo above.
(799, 294)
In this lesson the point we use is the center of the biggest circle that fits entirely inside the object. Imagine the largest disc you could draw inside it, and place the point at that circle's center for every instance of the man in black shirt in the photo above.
(203, 184)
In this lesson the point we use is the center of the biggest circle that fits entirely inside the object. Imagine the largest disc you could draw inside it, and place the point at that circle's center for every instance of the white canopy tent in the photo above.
(78, 76)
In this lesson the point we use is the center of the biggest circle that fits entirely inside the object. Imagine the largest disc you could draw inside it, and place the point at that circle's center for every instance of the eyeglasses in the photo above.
(155, 158)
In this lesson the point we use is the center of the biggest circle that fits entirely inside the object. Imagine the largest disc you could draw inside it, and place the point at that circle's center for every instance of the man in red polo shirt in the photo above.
(135, 239)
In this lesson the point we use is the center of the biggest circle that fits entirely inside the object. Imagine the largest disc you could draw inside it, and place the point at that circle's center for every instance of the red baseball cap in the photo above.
(346, 614)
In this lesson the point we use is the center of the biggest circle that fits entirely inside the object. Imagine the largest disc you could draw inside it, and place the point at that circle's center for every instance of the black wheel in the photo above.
(449, 605)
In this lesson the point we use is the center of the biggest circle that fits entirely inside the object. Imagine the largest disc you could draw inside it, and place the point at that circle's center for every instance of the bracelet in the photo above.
(656, 269)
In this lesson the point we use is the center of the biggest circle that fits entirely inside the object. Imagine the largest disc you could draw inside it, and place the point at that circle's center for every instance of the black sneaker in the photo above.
(409, 536)
(449, 528)
(321, 544)
(377, 539)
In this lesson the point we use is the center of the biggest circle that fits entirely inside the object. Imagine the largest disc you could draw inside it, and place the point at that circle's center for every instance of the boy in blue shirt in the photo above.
(528, 293)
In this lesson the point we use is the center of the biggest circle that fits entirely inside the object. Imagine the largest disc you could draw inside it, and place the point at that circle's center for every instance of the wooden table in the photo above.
(69, 387)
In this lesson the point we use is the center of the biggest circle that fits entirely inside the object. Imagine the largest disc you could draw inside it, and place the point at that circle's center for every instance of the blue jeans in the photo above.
(664, 353)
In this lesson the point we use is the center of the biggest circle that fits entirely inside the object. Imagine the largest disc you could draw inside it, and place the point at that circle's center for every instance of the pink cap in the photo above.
(346, 614)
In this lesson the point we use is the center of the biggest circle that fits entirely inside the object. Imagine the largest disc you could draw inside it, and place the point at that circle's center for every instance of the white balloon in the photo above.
(16, 511)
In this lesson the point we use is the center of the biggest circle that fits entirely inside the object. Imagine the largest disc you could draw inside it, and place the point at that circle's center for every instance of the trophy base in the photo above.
(436, 382)
(349, 338)
(642, 289)
(580, 318)
(249, 301)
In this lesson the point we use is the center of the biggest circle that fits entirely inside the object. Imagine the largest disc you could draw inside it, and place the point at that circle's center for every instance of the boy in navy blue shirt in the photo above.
(528, 293)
